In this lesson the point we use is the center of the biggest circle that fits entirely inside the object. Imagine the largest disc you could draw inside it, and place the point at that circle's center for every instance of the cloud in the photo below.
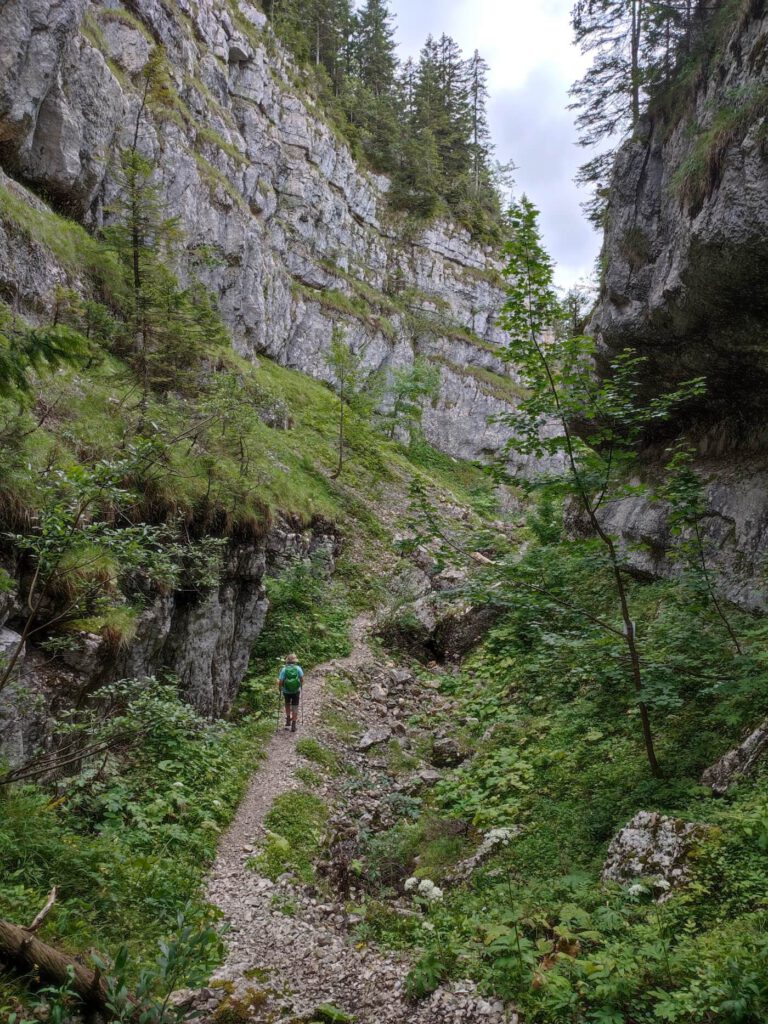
(533, 63)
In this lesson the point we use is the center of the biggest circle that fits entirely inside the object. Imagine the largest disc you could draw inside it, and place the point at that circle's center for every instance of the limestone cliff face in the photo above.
(686, 248)
(686, 266)
(282, 224)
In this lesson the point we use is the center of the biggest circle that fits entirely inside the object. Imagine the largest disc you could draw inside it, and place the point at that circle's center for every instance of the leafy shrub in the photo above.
(128, 841)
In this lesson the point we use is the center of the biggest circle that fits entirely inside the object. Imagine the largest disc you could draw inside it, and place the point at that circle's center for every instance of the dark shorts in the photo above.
(292, 698)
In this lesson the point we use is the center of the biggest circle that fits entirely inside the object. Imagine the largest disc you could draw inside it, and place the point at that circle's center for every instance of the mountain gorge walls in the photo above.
(685, 267)
(280, 222)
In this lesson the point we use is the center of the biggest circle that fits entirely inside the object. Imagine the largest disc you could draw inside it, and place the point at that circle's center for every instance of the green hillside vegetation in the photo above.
(599, 693)
(555, 758)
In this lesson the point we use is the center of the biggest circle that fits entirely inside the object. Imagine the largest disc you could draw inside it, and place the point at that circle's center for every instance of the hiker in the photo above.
(290, 682)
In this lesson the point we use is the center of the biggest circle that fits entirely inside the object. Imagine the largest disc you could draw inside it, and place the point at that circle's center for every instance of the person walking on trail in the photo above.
(290, 682)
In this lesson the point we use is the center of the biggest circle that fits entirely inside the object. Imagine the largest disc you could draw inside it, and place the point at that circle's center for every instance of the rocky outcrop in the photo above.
(203, 638)
(431, 619)
(280, 222)
(686, 259)
(13, 715)
(734, 530)
(686, 247)
(737, 763)
(655, 848)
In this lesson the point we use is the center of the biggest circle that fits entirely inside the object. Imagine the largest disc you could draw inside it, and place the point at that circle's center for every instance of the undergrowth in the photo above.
(127, 842)
(557, 761)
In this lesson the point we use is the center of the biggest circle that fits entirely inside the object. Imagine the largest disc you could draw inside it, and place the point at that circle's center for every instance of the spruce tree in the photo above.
(634, 46)
(374, 48)
(477, 81)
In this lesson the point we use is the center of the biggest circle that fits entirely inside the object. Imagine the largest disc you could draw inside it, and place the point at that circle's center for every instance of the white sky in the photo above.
(533, 64)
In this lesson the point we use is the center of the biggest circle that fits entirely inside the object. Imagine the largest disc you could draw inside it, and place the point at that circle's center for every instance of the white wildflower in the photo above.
(429, 890)
(663, 884)
(636, 890)
(411, 884)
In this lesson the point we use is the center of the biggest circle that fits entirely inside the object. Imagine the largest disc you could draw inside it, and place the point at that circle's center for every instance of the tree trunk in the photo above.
(637, 28)
(20, 949)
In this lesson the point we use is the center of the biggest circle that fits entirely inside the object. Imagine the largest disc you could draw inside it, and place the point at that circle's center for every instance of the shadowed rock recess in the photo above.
(686, 259)
(280, 221)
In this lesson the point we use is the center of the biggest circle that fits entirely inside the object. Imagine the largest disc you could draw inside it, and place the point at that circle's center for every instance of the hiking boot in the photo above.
(293, 727)
(287, 723)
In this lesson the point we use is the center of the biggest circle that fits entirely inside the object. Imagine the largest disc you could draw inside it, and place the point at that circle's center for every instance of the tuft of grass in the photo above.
(492, 384)
(126, 18)
(634, 247)
(316, 752)
(309, 777)
(206, 134)
(78, 252)
(295, 825)
(699, 174)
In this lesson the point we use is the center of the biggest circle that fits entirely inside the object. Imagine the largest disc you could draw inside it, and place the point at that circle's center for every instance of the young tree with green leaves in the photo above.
(349, 378)
(590, 468)
(77, 552)
(688, 509)
(409, 388)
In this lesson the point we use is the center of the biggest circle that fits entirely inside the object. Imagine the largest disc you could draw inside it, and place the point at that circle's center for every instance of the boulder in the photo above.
(653, 846)
(446, 753)
(401, 676)
(738, 762)
(376, 735)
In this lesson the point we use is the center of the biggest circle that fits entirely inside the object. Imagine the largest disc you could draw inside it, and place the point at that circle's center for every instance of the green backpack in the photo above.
(291, 680)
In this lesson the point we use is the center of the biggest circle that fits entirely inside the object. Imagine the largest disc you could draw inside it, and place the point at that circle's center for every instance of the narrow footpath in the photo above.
(282, 968)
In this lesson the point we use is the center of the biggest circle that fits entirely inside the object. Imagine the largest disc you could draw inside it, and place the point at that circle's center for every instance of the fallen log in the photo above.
(21, 949)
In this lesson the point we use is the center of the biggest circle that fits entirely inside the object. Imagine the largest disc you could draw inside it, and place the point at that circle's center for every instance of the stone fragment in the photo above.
(446, 753)
(239, 52)
(376, 735)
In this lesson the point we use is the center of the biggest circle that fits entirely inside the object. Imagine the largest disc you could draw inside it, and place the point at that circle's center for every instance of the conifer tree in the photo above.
(347, 369)
(374, 48)
(634, 46)
(477, 78)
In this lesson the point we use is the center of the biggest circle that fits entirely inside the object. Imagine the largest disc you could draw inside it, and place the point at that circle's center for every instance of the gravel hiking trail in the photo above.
(301, 964)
